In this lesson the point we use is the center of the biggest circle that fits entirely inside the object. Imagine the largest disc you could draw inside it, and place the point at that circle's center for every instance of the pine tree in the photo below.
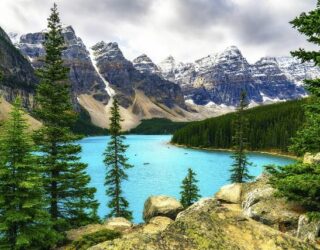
(24, 222)
(301, 182)
(116, 164)
(189, 189)
(239, 170)
(308, 138)
(72, 202)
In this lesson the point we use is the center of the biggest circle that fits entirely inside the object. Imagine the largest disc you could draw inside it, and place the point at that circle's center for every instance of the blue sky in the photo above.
(185, 29)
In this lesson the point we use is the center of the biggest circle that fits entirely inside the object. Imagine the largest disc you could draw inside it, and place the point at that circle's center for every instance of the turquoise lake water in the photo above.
(167, 167)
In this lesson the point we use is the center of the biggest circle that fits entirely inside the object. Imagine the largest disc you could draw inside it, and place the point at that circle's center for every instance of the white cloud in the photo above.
(186, 29)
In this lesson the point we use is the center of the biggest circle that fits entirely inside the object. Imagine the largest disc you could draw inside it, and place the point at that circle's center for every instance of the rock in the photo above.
(161, 206)
(145, 65)
(76, 234)
(311, 158)
(208, 225)
(260, 204)
(308, 230)
(157, 224)
(118, 223)
(230, 193)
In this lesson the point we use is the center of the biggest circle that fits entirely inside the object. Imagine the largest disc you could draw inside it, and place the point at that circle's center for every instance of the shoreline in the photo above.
(230, 150)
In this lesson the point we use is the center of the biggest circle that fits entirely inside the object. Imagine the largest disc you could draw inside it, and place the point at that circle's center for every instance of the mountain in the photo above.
(145, 65)
(18, 77)
(83, 76)
(219, 78)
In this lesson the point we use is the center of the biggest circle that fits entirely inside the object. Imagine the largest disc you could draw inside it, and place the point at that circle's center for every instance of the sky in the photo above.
(186, 29)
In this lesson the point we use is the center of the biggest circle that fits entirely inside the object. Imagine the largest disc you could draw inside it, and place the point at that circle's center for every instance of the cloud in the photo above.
(186, 29)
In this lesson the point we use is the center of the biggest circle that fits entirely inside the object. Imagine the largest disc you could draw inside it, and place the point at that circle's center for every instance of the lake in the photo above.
(166, 167)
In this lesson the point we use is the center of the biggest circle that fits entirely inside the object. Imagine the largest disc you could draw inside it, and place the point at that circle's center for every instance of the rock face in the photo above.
(145, 65)
(308, 230)
(208, 225)
(18, 78)
(83, 76)
(260, 204)
(125, 79)
(230, 193)
(311, 158)
(219, 78)
(161, 206)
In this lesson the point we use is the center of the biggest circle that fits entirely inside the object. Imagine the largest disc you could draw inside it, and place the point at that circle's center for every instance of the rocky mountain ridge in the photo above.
(219, 78)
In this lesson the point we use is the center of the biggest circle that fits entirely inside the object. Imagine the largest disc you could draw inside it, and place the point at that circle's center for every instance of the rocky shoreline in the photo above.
(239, 216)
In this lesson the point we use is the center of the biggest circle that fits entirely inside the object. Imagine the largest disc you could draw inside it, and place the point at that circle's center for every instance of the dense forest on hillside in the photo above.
(271, 127)
(157, 126)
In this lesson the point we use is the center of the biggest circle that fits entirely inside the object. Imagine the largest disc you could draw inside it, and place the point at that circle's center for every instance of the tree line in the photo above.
(270, 127)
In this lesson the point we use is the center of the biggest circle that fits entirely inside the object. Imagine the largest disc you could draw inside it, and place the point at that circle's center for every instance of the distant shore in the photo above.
(273, 153)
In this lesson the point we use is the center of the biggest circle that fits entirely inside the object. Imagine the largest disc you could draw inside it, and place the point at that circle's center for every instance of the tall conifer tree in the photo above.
(116, 164)
(239, 169)
(301, 182)
(72, 202)
(24, 222)
(189, 189)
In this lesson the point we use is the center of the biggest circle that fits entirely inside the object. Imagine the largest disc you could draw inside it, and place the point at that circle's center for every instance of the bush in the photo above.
(92, 239)
(300, 183)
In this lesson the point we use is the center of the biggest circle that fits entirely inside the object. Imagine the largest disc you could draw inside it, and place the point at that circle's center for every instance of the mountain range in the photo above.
(178, 91)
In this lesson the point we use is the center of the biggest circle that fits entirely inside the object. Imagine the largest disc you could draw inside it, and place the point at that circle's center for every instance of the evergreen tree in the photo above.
(239, 170)
(72, 202)
(116, 164)
(24, 222)
(308, 138)
(189, 189)
(301, 182)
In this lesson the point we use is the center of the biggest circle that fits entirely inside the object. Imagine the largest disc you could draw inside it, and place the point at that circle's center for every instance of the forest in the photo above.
(271, 128)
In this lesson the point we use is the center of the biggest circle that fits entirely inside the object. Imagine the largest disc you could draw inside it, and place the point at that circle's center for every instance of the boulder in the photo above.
(118, 223)
(260, 203)
(311, 158)
(230, 193)
(308, 230)
(208, 224)
(161, 206)
(157, 224)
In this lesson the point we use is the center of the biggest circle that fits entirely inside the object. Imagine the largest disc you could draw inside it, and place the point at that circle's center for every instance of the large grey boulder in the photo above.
(161, 206)
(308, 230)
(230, 193)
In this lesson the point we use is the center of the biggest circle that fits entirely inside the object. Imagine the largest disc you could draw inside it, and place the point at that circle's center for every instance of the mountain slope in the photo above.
(219, 78)
(18, 75)
(83, 76)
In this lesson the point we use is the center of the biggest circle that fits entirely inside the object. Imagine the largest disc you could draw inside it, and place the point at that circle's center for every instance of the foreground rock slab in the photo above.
(161, 206)
(209, 225)
(230, 193)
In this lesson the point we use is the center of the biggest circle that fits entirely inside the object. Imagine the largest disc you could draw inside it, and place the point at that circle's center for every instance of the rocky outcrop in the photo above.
(219, 78)
(18, 77)
(311, 158)
(161, 206)
(125, 79)
(308, 229)
(230, 193)
(145, 65)
(207, 225)
(83, 76)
